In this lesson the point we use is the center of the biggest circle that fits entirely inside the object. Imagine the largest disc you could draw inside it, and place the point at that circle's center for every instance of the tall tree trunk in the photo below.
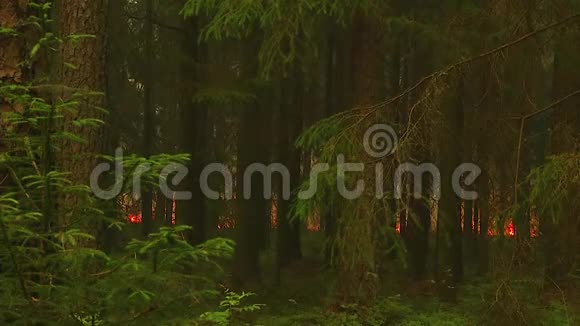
(265, 143)
(484, 215)
(473, 96)
(148, 114)
(535, 134)
(329, 217)
(88, 56)
(194, 116)
(252, 210)
(337, 98)
(290, 123)
(418, 223)
(485, 149)
(116, 88)
(357, 272)
(450, 205)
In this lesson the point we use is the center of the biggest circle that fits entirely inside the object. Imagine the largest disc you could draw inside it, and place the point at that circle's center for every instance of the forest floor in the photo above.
(305, 297)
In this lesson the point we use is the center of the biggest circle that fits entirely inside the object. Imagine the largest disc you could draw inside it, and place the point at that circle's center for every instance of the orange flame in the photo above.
(510, 230)
(135, 219)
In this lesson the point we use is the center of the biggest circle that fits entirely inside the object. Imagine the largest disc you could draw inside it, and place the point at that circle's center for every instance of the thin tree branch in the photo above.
(523, 120)
(158, 23)
(464, 62)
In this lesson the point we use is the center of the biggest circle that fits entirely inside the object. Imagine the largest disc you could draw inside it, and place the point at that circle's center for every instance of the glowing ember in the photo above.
(226, 223)
(274, 212)
(313, 223)
(510, 231)
(135, 219)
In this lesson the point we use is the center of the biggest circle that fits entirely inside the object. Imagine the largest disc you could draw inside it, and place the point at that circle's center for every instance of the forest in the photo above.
(290, 162)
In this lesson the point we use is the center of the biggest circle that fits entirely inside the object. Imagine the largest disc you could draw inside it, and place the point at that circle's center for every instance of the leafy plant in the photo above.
(231, 307)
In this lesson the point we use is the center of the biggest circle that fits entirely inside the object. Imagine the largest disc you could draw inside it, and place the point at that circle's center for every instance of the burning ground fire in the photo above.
(135, 216)
(313, 224)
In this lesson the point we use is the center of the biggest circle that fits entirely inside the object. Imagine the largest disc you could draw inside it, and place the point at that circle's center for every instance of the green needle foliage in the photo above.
(54, 274)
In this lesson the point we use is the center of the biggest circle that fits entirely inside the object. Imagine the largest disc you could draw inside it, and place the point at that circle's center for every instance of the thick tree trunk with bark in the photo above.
(81, 68)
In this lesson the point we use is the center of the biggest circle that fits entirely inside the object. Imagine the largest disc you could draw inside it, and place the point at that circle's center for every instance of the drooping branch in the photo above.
(364, 112)
(523, 120)
(467, 61)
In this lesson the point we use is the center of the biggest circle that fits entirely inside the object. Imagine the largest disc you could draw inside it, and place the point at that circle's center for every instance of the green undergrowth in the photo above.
(304, 297)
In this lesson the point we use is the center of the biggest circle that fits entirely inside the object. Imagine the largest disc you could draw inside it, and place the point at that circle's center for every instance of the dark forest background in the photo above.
(495, 83)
